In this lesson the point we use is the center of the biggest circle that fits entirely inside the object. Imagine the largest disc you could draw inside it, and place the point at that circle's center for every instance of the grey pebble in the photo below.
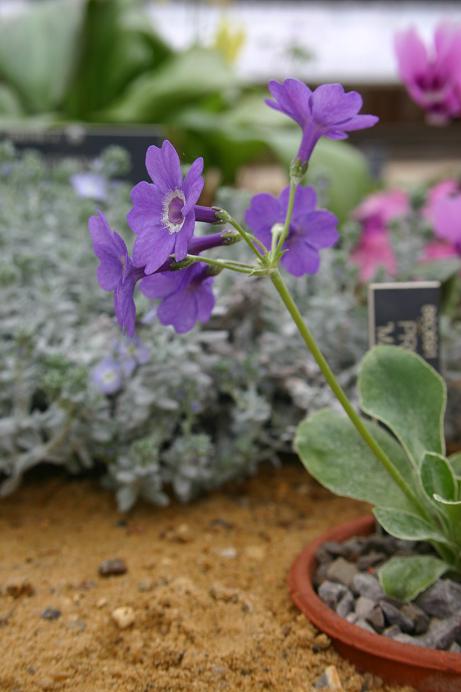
(364, 607)
(50, 614)
(331, 593)
(367, 585)
(442, 633)
(112, 568)
(342, 571)
(346, 604)
(442, 599)
(395, 616)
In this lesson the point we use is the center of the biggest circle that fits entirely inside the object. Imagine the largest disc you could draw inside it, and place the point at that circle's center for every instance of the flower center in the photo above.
(173, 205)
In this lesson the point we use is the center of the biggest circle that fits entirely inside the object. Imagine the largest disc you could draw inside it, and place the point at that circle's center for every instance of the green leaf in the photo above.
(154, 96)
(10, 107)
(113, 52)
(437, 477)
(407, 526)
(37, 52)
(334, 453)
(455, 462)
(403, 578)
(401, 390)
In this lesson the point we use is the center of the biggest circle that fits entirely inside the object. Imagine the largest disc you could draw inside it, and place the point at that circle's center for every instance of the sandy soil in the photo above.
(205, 587)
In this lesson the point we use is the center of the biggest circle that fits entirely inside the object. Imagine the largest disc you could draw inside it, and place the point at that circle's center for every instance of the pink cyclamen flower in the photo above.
(380, 208)
(446, 188)
(444, 213)
(374, 249)
(328, 111)
(433, 79)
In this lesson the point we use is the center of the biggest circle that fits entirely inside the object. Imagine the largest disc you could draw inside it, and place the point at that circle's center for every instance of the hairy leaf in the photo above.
(334, 453)
(400, 389)
(404, 578)
(437, 477)
(407, 526)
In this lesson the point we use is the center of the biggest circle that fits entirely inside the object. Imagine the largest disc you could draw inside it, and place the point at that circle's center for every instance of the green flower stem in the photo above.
(228, 264)
(291, 204)
(337, 390)
(225, 217)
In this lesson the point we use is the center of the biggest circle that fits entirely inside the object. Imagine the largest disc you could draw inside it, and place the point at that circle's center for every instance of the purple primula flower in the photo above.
(328, 111)
(311, 229)
(131, 353)
(163, 214)
(432, 77)
(107, 376)
(91, 185)
(116, 271)
(186, 296)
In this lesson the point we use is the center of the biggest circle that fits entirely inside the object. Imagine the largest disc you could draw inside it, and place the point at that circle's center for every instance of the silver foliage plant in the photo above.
(202, 409)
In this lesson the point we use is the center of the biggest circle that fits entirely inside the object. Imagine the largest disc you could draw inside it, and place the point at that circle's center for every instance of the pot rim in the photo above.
(338, 628)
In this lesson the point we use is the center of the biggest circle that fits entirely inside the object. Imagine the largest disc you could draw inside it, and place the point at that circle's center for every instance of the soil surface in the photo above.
(204, 599)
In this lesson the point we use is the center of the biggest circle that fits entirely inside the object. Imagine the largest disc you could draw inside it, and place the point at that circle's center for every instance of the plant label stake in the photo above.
(406, 314)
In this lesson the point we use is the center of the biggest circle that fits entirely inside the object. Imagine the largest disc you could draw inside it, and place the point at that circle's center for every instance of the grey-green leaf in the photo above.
(455, 463)
(407, 526)
(334, 453)
(404, 578)
(400, 389)
(437, 477)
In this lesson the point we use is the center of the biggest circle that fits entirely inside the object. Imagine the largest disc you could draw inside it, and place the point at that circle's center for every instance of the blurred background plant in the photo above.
(166, 415)
(106, 64)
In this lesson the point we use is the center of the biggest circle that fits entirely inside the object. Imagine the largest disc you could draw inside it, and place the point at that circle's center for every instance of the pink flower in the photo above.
(382, 207)
(443, 211)
(446, 188)
(437, 250)
(374, 249)
(433, 79)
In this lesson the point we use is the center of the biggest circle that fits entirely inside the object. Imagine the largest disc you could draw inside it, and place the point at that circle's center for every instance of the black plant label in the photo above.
(86, 143)
(406, 314)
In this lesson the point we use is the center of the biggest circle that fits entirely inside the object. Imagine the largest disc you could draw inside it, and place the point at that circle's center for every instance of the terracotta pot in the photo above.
(427, 670)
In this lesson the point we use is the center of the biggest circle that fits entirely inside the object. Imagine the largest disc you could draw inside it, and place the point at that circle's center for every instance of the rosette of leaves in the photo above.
(420, 500)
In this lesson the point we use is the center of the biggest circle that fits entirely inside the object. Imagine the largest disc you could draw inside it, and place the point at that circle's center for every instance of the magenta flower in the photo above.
(186, 296)
(163, 214)
(380, 208)
(107, 376)
(446, 188)
(446, 218)
(374, 250)
(437, 250)
(311, 229)
(433, 80)
(115, 272)
(328, 111)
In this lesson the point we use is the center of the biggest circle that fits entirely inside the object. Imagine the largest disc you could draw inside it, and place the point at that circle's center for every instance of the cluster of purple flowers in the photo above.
(165, 212)
(432, 78)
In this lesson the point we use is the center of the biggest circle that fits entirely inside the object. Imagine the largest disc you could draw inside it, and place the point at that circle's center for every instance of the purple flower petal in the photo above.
(305, 200)
(164, 167)
(205, 300)
(331, 105)
(124, 306)
(162, 284)
(359, 122)
(300, 258)
(264, 211)
(292, 98)
(184, 236)
(179, 310)
(320, 229)
(147, 208)
(193, 184)
(152, 249)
